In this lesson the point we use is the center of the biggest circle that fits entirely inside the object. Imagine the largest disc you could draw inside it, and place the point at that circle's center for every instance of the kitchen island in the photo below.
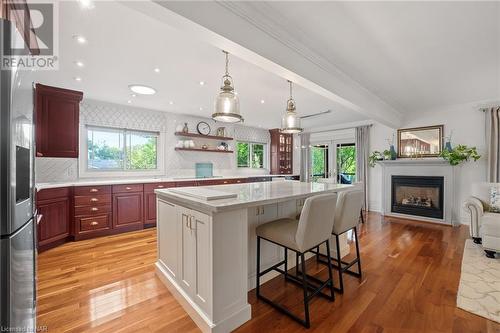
(207, 248)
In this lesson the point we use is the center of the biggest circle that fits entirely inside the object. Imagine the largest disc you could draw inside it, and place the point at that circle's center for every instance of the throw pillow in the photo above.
(495, 199)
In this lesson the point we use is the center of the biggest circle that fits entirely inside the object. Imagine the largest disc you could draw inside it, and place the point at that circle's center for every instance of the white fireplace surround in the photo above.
(422, 167)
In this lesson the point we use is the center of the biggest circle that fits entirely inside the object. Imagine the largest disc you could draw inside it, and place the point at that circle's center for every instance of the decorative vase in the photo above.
(447, 146)
(394, 155)
(185, 129)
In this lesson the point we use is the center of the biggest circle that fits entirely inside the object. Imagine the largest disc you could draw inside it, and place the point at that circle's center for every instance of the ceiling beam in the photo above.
(243, 30)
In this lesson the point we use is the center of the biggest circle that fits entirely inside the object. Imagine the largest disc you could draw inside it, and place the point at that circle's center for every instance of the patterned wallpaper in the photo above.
(178, 164)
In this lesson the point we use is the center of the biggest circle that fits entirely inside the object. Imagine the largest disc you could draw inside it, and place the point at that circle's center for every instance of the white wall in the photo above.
(467, 124)
(177, 164)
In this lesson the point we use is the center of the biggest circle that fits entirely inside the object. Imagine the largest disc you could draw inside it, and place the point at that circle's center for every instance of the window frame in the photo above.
(85, 172)
(250, 154)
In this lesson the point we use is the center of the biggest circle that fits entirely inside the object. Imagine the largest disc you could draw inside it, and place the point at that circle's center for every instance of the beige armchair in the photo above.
(484, 225)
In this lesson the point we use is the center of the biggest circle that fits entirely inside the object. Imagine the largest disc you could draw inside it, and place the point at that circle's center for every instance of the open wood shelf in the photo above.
(206, 150)
(195, 135)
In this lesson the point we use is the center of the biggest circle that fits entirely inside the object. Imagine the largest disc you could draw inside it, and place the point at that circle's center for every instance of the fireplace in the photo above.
(417, 195)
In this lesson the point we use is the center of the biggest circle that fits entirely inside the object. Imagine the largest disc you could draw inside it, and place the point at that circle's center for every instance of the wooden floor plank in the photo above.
(411, 272)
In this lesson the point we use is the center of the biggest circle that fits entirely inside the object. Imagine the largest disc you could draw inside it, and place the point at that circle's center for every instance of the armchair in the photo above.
(484, 225)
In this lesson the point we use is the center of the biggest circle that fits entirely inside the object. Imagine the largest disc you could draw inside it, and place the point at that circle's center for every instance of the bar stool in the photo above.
(300, 236)
(357, 185)
(346, 218)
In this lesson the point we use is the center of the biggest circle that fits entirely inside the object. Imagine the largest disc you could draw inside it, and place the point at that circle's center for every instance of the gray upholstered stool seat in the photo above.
(300, 236)
(280, 231)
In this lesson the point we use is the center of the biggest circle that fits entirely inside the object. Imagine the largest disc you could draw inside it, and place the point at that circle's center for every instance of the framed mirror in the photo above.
(420, 141)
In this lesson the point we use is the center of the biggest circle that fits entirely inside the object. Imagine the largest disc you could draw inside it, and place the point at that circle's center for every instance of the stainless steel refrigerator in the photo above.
(17, 211)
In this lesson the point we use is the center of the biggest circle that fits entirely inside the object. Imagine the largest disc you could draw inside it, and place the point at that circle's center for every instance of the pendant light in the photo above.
(290, 123)
(227, 104)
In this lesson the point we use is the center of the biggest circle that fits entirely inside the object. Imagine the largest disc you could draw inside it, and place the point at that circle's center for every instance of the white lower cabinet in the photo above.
(185, 249)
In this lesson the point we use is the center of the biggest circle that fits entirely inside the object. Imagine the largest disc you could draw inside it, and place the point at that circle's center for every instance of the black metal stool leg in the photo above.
(339, 261)
(357, 251)
(286, 262)
(307, 322)
(362, 217)
(257, 288)
(297, 263)
(330, 273)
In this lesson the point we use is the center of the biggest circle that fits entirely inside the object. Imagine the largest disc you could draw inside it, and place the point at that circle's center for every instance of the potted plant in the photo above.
(459, 154)
(374, 157)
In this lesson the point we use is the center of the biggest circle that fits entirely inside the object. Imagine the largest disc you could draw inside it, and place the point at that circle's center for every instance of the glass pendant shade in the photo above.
(227, 104)
(290, 122)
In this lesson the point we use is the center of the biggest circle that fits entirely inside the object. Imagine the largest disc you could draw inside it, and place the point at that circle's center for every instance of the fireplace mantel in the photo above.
(421, 167)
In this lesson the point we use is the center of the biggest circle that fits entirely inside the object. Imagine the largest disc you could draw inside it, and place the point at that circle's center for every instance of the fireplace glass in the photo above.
(418, 195)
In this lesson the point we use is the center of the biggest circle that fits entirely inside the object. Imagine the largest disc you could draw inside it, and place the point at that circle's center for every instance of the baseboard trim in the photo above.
(229, 324)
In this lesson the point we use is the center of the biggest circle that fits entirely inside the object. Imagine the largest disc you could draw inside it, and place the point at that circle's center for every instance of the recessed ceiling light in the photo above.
(79, 64)
(202, 83)
(86, 4)
(141, 89)
(262, 101)
(77, 78)
(80, 39)
(171, 102)
(157, 70)
(201, 109)
(133, 95)
(129, 101)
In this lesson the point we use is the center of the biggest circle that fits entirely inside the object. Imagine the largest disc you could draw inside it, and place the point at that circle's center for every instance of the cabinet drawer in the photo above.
(128, 188)
(93, 210)
(52, 193)
(187, 183)
(93, 223)
(153, 186)
(92, 190)
(92, 200)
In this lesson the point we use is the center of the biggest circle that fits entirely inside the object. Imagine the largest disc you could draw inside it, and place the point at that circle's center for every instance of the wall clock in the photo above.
(203, 128)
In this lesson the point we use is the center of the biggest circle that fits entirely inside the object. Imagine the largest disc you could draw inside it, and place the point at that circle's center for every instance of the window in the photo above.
(110, 149)
(250, 155)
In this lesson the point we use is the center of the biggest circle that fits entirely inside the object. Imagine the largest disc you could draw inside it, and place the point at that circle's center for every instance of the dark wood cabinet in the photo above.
(150, 201)
(128, 211)
(53, 207)
(281, 153)
(57, 121)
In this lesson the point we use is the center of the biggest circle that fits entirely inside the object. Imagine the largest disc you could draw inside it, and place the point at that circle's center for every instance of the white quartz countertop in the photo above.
(251, 194)
(116, 181)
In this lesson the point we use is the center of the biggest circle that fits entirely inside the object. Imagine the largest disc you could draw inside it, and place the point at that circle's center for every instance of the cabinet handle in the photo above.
(94, 209)
(128, 188)
(94, 223)
(94, 200)
(94, 190)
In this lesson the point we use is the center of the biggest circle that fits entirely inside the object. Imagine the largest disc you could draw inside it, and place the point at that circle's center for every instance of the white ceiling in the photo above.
(414, 55)
(124, 46)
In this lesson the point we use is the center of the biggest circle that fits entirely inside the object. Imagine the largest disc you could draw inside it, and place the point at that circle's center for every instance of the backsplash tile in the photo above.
(177, 163)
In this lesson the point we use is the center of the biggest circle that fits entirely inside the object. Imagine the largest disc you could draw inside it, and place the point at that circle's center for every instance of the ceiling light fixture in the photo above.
(79, 64)
(80, 39)
(227, 104)
(129, 101)
(201, 109)
(202, 83)
(171, 102)
(262, 101)
(157, 70)
(77, 78)
(142, 89)
(86, 4)
(290, 123)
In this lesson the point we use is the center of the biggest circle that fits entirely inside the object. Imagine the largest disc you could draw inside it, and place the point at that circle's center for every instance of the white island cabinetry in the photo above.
(207, 249)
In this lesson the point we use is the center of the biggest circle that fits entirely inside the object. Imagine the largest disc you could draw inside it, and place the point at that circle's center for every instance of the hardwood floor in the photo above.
(410, 279)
